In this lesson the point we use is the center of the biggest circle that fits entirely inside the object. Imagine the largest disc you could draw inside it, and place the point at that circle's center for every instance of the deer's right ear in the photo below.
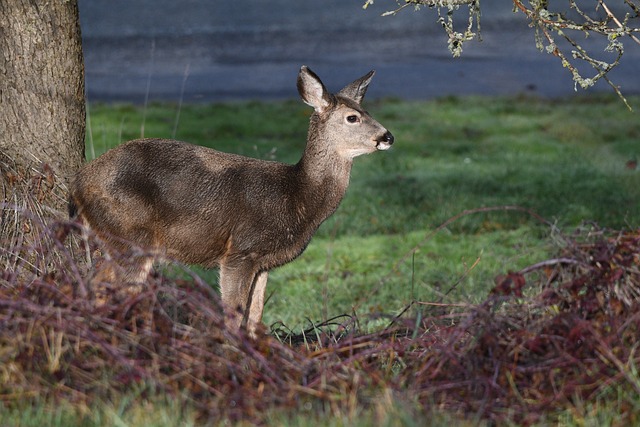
(312, 90)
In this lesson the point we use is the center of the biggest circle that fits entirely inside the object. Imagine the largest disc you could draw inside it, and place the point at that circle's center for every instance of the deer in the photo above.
(243, 215)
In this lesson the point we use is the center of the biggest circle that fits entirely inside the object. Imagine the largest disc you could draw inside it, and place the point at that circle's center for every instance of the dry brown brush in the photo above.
(541, 342)
(561, 332)
(64, 337)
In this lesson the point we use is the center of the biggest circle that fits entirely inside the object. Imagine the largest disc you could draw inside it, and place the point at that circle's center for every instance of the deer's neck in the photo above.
(324, 177)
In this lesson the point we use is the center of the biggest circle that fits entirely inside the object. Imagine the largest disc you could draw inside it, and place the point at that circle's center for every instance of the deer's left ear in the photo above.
(312, 90)
(358, 88)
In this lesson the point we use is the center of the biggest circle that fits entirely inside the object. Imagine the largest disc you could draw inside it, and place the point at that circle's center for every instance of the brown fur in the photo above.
(244, 215)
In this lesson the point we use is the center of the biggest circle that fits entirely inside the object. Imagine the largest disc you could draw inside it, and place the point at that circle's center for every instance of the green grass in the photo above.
(129, 410)
(386, 246)
(564, 160)
(171, 411)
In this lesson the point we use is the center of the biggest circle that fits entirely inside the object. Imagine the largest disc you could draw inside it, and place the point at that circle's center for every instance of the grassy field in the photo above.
(564, 160)
(474, 188)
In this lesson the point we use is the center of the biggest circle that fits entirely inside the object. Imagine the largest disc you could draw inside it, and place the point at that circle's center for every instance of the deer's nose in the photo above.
(388, 138)
(384, 141)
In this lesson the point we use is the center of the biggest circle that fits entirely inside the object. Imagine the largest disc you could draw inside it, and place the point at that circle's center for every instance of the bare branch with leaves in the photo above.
(557, 31)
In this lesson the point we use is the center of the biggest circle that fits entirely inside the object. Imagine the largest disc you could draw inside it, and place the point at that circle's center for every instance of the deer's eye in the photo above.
(353, 118)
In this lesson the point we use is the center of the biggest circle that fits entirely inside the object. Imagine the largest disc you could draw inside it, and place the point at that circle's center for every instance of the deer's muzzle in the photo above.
(385, 141)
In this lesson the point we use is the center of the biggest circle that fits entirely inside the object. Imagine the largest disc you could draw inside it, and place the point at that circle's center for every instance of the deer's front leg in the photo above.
(257, 301)
(237, 282)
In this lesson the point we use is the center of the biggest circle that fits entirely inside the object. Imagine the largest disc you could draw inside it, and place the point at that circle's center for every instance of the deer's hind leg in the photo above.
(119, 277)
(136, 274)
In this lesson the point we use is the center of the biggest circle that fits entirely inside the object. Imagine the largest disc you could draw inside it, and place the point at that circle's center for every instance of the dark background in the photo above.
(228, 50)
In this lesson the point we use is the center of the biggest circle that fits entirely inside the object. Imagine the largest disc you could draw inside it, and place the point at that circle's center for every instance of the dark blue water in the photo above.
(220, 50)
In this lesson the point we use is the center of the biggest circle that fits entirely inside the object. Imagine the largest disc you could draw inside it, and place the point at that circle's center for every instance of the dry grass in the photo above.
(546, 339)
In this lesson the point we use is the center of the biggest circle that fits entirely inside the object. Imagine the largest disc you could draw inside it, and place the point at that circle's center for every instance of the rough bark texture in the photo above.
(42, 112)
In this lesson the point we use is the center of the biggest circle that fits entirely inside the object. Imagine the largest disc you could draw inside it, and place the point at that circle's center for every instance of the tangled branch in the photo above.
(456, 38)
(557, 31)
(552, 25)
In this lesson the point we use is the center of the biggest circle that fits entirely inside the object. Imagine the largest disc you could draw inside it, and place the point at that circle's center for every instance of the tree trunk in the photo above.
(42, 113)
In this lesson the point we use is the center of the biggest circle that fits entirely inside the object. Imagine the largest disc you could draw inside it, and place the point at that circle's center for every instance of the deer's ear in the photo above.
(312, 90)
(358, 88)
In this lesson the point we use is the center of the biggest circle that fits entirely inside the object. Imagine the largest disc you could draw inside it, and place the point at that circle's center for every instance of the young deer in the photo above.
(244, 215)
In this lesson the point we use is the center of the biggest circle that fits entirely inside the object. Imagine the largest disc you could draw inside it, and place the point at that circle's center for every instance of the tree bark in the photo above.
(42, 111)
